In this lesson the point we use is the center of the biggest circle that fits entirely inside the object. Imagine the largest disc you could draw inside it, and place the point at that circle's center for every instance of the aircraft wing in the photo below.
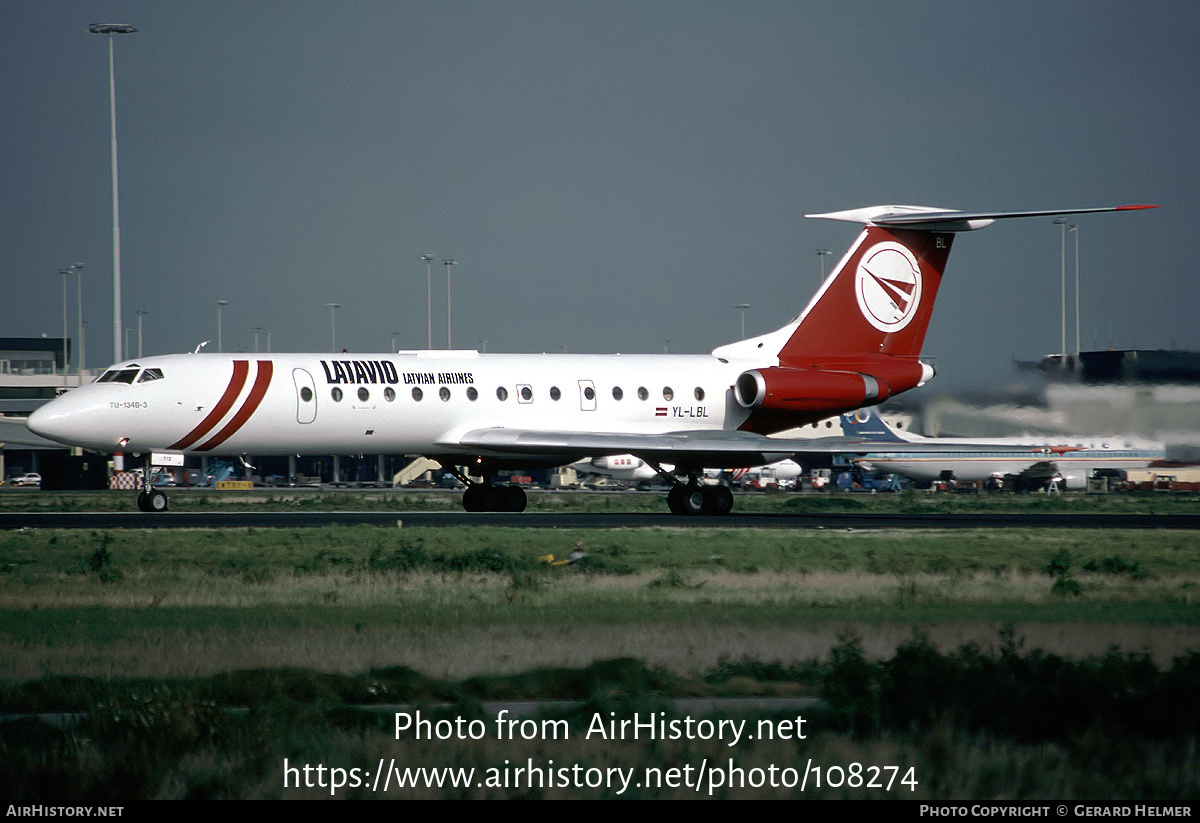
(704, 449)
(697, 449)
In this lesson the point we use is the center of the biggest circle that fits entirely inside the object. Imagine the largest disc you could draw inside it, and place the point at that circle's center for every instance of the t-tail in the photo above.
(858, 342)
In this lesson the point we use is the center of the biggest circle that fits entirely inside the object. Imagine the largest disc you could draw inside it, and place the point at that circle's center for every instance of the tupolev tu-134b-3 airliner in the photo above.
(855, 344)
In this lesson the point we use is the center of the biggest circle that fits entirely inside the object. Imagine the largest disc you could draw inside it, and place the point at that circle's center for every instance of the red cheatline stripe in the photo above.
(257, 392)
(240, 369)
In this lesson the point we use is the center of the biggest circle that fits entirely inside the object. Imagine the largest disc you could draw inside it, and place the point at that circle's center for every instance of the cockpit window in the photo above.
(124, 375)
(150, 374)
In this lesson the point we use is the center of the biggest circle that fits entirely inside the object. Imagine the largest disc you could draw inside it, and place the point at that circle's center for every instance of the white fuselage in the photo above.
(414, 402)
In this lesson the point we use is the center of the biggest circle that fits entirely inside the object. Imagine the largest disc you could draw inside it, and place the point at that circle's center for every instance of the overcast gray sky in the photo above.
(610, 176)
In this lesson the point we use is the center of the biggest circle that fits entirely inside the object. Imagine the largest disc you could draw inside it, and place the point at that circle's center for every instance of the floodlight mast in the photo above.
(110, 29)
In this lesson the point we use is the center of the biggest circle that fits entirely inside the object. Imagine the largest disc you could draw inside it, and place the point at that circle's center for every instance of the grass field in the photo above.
(941, 651)
(345, 599)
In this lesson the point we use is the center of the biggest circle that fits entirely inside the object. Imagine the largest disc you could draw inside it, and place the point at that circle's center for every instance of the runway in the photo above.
(606, 520)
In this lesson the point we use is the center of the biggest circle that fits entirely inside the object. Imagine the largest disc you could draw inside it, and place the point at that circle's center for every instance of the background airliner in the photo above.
(855, 344)
(633, 469)
(1071, 459)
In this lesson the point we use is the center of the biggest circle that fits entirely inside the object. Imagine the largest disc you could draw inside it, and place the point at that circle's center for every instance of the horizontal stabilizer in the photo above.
(924, 218)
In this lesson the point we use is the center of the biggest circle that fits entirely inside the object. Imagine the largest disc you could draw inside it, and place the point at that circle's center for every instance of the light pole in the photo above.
(221, 304)
(448, 263)
(79, 300)
(110, 29)
(743, 307)
(66, 364)
(333, 307)
(394, 349)
(140, 315)
(821, 255)
(1062, 351)
(428, 258)
(1075, 230)
(256, 330)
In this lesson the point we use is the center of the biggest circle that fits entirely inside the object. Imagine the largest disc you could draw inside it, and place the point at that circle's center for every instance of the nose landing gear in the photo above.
(150, 499)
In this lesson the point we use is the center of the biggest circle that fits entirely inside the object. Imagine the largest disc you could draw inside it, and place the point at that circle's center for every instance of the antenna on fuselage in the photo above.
(202, 345)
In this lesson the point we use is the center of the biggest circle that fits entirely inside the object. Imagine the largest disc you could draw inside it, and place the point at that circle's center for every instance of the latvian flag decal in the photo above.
(660, 411)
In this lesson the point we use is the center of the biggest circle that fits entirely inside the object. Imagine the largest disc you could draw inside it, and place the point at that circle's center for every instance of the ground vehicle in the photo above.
(28, 479)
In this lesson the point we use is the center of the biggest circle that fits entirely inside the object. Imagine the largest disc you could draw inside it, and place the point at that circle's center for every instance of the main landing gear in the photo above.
(489, 497)
(695, 497)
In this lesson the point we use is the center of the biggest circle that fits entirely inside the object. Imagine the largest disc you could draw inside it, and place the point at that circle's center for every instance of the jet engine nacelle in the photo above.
(812, 390)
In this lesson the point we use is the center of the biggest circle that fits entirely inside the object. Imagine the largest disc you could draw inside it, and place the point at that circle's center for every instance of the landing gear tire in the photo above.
(513, 499)
(696, 499)
(152, 501)
(686, 500)
(472, 499)
(717, 500)
(489, 498)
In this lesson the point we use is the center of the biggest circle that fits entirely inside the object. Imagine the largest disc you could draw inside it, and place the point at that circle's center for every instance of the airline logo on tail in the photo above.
(888, 286)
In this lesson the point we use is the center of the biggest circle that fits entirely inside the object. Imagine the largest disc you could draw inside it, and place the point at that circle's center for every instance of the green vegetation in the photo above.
(959, 725)
(342, 598)
(1015, 663)
(402, 500)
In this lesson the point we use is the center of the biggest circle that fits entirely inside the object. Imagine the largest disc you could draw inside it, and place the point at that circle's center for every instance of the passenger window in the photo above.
(389, 394)
(336, 394)
(642, 393)
(417, 393)
(363, 394)
(444, 393)
(668, 393)
(555, 393)
(306, 394)
(617, 393)
(526, 393)
(589, 393)
(699, 393)
(472, 394)
(502, 393)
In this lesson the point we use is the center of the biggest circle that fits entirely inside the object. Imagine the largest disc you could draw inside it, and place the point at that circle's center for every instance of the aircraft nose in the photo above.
(49, 422)
(68, 419)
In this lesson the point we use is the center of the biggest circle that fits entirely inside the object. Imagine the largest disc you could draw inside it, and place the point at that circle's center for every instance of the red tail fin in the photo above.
(857, 342)
(878, 301)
